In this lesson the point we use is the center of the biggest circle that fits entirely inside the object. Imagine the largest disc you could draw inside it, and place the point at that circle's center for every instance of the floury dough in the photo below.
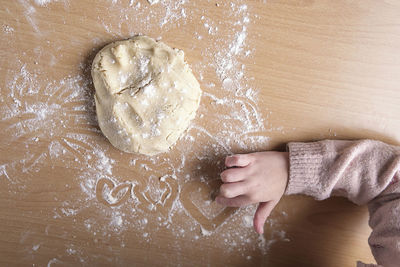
(146, 95)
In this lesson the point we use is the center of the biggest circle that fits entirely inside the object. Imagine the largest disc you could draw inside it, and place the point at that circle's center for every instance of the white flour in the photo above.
(42, 2)
(8, 29)
(153, 1)
(55, 121)
(3, 172)
(30, 15)
(53, 261)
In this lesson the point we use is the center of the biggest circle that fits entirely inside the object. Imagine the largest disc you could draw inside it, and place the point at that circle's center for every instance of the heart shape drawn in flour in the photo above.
(110, 194)
(158, 188)
(158, 195)
(196, 198)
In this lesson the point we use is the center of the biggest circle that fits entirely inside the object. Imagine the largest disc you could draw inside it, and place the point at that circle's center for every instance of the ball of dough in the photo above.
(146, 95)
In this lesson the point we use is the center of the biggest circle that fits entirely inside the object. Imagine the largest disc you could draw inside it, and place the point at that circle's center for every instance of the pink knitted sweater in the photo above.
(365, 172)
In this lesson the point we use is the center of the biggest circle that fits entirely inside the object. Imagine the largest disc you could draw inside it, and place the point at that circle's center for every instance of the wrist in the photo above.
(305, 166)
(285, 169)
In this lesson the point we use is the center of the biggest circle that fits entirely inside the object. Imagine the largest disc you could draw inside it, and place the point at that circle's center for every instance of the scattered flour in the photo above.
(117, 221)
(3, 172)
(248, 221)
(174, 10)
(42, 2)
(8, 29)
(53, 261)
(36, 247)
(30, 15)
(205, 232)
(153, 1)
(69, 211)
(59, 116)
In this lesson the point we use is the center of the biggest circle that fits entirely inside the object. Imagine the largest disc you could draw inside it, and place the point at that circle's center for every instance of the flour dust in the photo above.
(54, 121)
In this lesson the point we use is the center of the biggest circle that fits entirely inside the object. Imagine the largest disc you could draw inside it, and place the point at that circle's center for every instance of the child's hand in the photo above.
(252, 178)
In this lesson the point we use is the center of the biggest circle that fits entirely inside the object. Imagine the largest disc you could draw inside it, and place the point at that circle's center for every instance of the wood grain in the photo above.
(322, 69)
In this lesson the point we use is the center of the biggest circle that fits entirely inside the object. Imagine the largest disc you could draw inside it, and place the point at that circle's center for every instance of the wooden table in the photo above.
(271, 71)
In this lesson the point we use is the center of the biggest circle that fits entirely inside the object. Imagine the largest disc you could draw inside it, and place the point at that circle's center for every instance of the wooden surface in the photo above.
(311, 70)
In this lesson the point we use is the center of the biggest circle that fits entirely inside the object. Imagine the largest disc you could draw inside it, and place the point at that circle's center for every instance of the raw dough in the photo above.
(146, 95)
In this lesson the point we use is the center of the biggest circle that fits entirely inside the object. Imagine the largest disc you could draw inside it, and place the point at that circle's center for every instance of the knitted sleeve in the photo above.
(363, 171)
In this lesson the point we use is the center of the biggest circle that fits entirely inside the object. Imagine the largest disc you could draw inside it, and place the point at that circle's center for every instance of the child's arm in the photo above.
(363, 171)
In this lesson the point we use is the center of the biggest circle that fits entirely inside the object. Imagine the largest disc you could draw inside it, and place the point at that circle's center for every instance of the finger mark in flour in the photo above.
(112, 194)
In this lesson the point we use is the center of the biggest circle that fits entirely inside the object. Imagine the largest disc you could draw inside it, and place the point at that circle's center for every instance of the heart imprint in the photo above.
(196, 198)
(156, 188)
(158, 195)
(110, 194)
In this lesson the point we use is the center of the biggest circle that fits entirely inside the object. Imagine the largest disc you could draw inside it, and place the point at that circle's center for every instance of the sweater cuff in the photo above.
(305, 168)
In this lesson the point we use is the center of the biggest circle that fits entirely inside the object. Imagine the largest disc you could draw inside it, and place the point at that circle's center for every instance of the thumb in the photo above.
(263, 211)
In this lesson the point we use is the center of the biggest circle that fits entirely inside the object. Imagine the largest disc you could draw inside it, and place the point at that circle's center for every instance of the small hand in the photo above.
(255, 178)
